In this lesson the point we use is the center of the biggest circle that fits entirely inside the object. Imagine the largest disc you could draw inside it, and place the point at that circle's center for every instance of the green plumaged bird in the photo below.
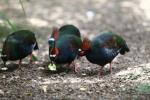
(64, 45)
(18, 45)
(103, 49)
(69, 30)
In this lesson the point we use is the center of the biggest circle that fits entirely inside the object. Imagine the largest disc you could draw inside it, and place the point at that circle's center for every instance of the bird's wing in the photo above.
(108, 43)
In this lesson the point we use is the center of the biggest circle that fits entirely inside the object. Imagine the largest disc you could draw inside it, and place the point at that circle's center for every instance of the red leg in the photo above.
(31, 58)
(110, 68)
(20, 62)
(100, 72)
(31, 61)
(75, 67)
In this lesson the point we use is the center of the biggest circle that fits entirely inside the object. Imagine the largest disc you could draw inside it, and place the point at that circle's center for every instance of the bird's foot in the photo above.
(74, 67)
(20, 68)
(19, 64)
(31, 61)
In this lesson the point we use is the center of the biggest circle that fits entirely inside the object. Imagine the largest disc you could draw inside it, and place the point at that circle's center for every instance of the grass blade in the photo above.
(12, 25)
(21, 3)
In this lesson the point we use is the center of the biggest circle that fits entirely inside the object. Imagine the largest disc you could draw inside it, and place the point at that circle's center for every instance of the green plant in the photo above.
(23, 9)
(8, 22)
(143, 88)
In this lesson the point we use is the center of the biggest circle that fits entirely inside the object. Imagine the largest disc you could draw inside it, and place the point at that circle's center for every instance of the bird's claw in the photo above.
(76, 69)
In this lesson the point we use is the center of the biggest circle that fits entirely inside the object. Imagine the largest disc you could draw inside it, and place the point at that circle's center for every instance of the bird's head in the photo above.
(85, 47)
(53, 50)
(54, 36)
(51, 42)
(53, 53)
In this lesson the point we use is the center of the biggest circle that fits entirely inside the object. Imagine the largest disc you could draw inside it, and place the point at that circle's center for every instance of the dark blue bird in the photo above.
(70, 30)
(103, 49)
(18, 45)
(64, 45)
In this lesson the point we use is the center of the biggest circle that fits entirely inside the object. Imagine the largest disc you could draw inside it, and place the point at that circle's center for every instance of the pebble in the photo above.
(4, 68)
(1, 92)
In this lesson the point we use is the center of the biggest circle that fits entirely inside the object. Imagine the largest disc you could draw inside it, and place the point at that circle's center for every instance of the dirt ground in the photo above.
(128, 18)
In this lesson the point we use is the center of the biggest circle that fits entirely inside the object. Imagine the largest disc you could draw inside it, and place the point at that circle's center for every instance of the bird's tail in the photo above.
(36, 47)
(4, 59)
(124, 49)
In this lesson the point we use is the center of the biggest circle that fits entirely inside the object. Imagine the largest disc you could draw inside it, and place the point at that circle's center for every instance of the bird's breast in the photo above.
(100, 56)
